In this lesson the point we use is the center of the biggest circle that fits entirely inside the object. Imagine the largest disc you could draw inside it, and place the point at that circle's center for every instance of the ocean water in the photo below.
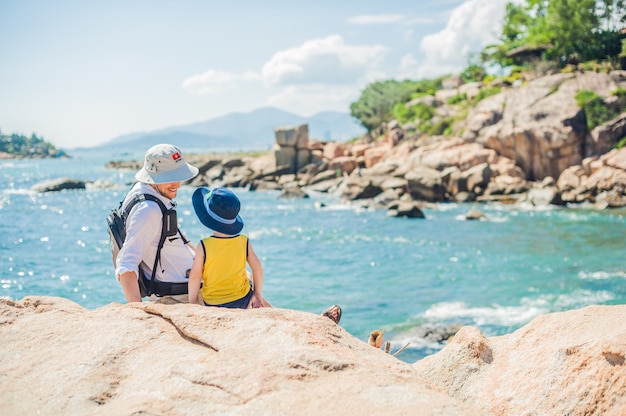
(386, 273)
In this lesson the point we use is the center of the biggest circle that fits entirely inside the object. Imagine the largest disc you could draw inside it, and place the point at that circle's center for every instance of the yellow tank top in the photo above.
(224, 275)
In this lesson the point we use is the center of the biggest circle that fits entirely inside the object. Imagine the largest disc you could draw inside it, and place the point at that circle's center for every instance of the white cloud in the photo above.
(472, 26)
(326, 60)
(375, 19)
(211, 81)
(320, 74)
(251, 76)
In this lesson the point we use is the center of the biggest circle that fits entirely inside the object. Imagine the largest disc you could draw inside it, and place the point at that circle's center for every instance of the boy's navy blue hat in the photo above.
(218, 210)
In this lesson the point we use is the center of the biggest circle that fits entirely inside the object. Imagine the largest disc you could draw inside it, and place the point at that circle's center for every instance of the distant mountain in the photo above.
(241, 131)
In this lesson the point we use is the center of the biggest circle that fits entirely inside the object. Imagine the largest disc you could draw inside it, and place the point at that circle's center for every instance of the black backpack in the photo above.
(116, 222)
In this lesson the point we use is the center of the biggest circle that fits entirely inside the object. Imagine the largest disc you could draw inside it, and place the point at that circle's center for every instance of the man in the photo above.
(163, 171)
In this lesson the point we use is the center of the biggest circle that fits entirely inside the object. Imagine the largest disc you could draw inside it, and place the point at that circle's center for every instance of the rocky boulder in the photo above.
(603, 138)
(541, 127)
(405, 209)
(597, 179)
(568, 363)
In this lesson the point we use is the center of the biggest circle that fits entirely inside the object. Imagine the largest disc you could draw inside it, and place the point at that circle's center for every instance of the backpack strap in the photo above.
(147, 197)
(185, 240)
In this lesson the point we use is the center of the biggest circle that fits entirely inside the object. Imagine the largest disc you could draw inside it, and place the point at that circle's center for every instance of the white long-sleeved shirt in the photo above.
(143, 232)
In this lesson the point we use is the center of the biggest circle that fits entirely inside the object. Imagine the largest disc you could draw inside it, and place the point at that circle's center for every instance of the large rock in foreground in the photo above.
(178, 359)
(569, 363)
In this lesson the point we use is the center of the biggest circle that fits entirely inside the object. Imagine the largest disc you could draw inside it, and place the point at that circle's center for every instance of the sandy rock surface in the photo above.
(57, 358)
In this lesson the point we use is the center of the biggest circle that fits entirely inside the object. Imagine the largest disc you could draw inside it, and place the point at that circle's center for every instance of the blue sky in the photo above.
(80, 73)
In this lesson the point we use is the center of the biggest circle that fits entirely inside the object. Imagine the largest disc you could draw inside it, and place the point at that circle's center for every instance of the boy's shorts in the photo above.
(237, 304)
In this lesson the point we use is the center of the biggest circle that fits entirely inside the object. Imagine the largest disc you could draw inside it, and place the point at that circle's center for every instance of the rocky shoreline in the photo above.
(167, 358)
(406, 177)
(527, 144)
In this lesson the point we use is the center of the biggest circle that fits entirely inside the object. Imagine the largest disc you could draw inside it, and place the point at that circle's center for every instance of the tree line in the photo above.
(33, 146)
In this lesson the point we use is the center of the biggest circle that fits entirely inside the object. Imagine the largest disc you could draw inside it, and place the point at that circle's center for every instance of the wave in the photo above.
(490, 218)
(512, 316)
(601, 275)
(18, 191)
(273, 231)
(492, 320)
(493, 315)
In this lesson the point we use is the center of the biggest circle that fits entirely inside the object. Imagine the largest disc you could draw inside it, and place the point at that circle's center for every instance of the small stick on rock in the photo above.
(401, 349)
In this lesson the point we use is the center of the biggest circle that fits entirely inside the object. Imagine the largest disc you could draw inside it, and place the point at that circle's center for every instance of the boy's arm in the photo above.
(195, 276)
(257, 279)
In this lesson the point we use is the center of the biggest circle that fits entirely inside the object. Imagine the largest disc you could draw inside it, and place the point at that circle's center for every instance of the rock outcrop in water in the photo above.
(173, 359)
(58, 184)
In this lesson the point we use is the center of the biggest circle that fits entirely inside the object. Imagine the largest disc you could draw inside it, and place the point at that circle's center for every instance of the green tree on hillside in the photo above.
(377, 100)
(567, 30)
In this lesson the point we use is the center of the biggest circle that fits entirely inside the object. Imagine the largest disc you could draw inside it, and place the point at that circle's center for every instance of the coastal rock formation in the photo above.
(541, 126)
(291, 150)
(566, 363)
(179, 359)
(598, 179)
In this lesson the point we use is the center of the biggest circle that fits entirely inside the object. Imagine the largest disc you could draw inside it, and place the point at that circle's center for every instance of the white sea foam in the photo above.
(527, 206)
(487, 217)
(273, 231)
(449, 206)
(498, 219)
(286, 208)
(19, 191)
(401, 239)
(337, 207)
(577, 217)
(494, 315)
(580, 298)
(515, 315)
(601, 275)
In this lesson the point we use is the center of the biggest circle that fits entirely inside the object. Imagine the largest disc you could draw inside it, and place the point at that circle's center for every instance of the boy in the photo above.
(220, 261)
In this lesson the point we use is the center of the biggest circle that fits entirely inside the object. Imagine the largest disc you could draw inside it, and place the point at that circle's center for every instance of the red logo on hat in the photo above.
(176, 156)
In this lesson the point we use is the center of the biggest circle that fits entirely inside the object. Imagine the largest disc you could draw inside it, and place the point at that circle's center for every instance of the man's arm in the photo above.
(130, 286)
(143, 226)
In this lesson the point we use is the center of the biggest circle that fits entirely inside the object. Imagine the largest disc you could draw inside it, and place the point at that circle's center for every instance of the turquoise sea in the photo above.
(386, 273)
